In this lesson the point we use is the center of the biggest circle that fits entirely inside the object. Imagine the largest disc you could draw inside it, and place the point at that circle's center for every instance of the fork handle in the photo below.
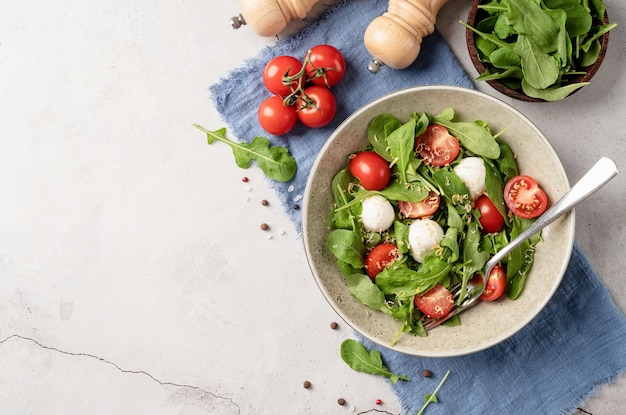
(599, 175)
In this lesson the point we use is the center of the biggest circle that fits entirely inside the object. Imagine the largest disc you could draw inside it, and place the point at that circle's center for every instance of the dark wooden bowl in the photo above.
(476, 15)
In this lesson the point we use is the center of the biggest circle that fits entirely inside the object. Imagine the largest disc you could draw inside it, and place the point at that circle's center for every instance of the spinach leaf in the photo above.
(275, 162)
(347, 246)
(401, 142)
(379, 128)
(540, 68)
(358, 358)
(553, 93)
(364, 290)
(340, 186)
(473, 136)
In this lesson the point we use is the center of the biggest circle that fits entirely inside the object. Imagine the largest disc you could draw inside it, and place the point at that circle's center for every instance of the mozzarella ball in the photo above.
(424, 235)
(472, 171)
(377, 214)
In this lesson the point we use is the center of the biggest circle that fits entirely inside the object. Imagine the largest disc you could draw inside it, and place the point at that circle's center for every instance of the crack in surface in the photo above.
(184, 386)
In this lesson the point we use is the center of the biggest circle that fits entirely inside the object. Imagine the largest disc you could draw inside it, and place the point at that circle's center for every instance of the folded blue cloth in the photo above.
(552, 365)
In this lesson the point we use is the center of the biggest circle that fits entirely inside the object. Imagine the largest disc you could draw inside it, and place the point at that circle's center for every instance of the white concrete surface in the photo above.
(134, 278)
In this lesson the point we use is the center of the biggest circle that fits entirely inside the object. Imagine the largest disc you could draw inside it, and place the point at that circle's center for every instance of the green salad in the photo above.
(424, 206)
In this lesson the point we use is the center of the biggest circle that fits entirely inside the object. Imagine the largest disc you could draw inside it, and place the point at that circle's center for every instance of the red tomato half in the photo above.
(326, 66)
(436, 146)
(380, 258)
(524, 197)
(371, 169)
(435, 303)
(275, 117)
(278, 68)
(490, 218)
(424, 208)
(496, 284)
(317, 107)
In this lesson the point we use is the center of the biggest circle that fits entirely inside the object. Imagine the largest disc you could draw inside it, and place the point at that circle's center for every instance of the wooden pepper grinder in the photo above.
(395, 38)
(270, 17)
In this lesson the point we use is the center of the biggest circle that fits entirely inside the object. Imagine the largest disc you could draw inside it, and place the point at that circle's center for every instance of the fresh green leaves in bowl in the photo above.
(537, 50)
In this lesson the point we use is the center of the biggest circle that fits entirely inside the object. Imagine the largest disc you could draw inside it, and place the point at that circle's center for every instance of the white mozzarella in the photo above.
(424, 236)
(377, 214)
(472, 171)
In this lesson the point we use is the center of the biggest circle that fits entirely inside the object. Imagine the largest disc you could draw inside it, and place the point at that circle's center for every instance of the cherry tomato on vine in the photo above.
(326, 66)
(371, 169)
(524, 197)
(490, 218)
(436, 146)
(278, 68)
(380, 258)
(317, 106)
(275, 117)
(496, 284)
(421, 209)
(435, 303)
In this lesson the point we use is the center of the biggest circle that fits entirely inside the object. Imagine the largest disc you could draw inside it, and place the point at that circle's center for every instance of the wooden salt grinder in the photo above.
(395, 38)
(270, 17)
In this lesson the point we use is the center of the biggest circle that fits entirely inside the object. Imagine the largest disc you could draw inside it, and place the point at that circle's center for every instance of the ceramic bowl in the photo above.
(488, 323)
(475, 15)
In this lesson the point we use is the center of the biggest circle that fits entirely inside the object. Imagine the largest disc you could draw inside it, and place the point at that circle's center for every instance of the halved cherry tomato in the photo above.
(524, 197)
(418, 210)
(496, 284)
(436, 146)
(371, 169)
(380, 258)
(277, 69)
(326, 66)
(317, 106)
(437, 302)
(275, 117)
(490, 218)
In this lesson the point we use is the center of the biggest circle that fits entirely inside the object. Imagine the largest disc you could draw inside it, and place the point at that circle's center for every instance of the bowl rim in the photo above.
(307, 199)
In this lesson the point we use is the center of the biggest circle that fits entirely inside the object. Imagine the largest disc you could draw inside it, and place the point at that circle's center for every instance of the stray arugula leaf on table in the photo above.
(358, 358)
(275, 162)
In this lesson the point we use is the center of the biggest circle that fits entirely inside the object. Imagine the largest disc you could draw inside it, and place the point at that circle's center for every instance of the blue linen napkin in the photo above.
(549, 367)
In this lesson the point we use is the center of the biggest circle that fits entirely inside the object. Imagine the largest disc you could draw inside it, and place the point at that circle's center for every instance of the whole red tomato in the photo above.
(276, 70)
(490, 218)
(317, 106)
(275, 117)
(372, 170)
(326, 66)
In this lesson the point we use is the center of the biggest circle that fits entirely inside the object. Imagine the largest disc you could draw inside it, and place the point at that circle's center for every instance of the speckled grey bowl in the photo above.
(486, 324)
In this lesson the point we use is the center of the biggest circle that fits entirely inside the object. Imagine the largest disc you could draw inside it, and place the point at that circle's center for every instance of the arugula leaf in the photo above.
(358, 358)
(275, 162)
(432, 397)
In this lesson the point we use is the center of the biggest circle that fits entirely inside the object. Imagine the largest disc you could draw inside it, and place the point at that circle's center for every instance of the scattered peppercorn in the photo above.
(379, 401)
(341, 401)
(306, 384)
(334, 325)
(244, 179)
(296, 206)
(427, 373)
(265, 202)
(265, 226)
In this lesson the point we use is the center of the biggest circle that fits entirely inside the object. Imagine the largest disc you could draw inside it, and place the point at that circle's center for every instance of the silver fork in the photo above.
(600, 174)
